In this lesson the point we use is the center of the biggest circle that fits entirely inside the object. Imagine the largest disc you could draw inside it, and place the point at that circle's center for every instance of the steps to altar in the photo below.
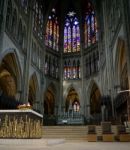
(65, 132)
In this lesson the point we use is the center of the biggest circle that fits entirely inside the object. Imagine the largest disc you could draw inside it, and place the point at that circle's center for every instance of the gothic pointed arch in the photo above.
(95, 101)
(121, 73)
(10, 74)
(33, 90)
(49, 100)
(72, 100)
(121, 65)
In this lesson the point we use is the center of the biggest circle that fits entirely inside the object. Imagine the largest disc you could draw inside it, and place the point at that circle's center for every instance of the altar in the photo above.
(24, 123)
(70, 118)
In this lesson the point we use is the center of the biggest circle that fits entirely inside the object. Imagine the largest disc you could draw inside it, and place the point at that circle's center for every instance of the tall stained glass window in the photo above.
(38, 20)
(90, 26)
(52, 31)
(71, 33)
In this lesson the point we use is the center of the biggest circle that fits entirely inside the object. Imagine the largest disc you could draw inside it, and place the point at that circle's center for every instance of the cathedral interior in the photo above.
(68, 58)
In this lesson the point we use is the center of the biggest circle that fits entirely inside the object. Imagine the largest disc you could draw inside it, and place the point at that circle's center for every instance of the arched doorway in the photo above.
(72, 101)
(9, 80)
(49, 100)
(95, 103)
(33, 89)
(122, 98)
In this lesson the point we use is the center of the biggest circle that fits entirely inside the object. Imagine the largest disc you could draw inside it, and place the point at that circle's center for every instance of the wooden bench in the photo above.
(107, 135)
(122, 135)
(92, 137)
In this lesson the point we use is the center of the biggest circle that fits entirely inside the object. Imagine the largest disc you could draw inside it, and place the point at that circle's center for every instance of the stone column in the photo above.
(61, 103)
(103, 112)
(82, 65)
(27, 61)
(108, 55)
(3, 12)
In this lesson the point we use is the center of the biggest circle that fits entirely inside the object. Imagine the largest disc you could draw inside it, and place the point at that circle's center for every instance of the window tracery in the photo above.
(90, 26)
(71, 33)
(52, 31)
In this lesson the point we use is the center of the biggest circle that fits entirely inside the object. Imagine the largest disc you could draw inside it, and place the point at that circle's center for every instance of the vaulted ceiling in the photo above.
(63, 6)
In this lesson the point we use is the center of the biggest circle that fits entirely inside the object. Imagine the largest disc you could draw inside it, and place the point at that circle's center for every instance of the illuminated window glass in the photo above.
(65, 39)
(72, 69)
(69, 70)
(65, 70)
(78, 69)
(52, 31)
(71, 33)
(57, 68)
(46, 65)
(76, 106)
(90, 26)
(51, 67)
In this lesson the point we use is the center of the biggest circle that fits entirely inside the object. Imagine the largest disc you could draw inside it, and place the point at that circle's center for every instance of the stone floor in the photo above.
(60, 144)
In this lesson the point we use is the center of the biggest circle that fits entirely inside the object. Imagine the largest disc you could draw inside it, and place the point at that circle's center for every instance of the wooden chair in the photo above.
(123, 136)
(107, 135)
(92, 137)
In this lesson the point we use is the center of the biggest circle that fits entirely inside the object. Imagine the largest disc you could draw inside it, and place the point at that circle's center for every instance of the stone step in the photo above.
(65, 128)
(75, 133)
(61, 130)
(65, 133)
(64, 136)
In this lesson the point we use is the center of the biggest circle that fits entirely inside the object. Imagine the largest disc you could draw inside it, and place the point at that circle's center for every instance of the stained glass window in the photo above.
(72, 69)
(78, 69)
(57, 70)
(51, 67)
(38, 20)
(65, 70)
(24, 4)
(71, 33)
(14, 22)
(52, 31)
(46, 65)
(76, 106)
(92, 63)
(8, 15)
(69, 70)
(90, 26)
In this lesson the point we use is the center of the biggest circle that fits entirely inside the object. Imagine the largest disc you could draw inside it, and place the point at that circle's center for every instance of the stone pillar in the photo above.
(61, 102)
(3, 12)
(27, 61)
(103, 112)
(109, 56)
(42, 73)
(82, 65)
